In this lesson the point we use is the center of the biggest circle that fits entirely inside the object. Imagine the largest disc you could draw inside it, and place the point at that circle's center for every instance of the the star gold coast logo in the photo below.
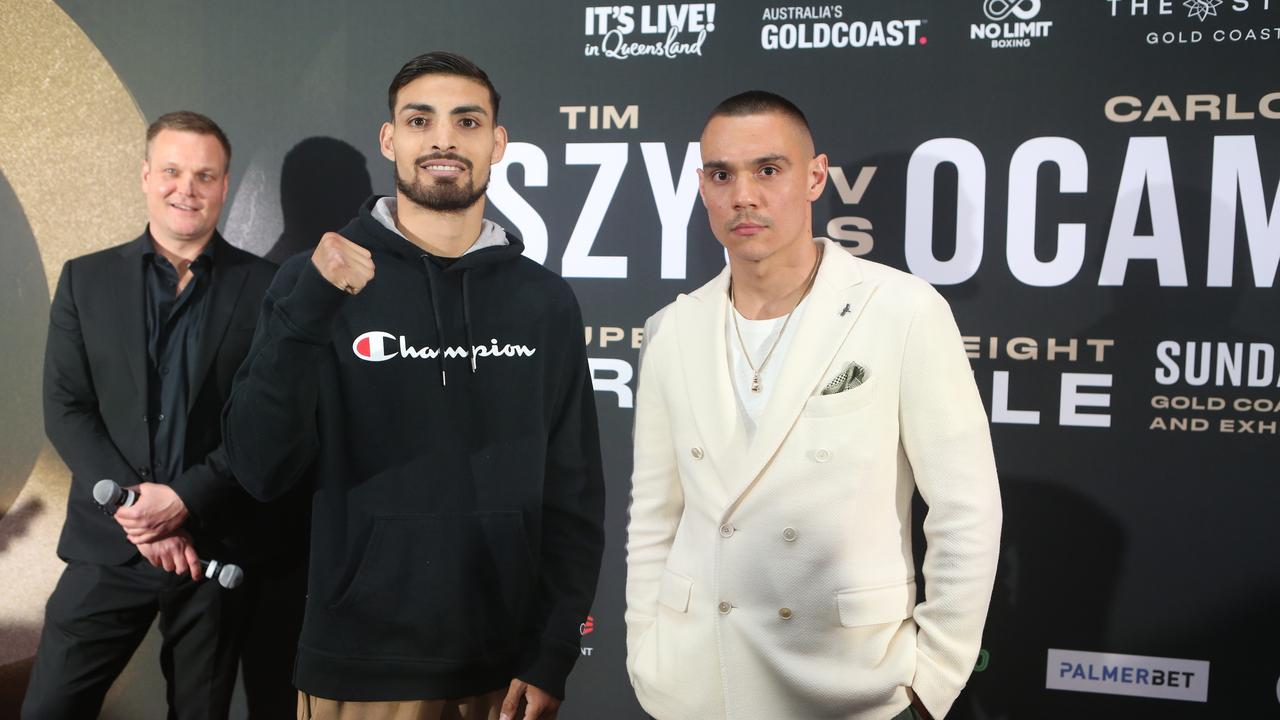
(1219, 21)
(1202, 9)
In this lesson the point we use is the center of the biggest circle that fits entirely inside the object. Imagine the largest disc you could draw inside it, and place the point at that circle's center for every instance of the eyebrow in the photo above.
(763, 160)
(175, 164)
(460, 110)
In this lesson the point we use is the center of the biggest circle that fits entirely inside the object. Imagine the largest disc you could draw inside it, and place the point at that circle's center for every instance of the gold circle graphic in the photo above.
(71, 141)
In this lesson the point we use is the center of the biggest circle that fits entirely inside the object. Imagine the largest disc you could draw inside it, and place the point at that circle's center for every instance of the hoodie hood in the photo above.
(376, 222)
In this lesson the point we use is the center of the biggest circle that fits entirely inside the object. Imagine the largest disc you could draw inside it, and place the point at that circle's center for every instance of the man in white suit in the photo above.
(787, 410)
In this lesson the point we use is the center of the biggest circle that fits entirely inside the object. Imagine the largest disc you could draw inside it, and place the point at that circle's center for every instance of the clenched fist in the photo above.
(345, 264)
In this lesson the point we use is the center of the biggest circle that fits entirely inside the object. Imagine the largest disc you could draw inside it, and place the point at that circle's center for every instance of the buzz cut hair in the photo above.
(758, 102)
(440, 62)
(192, 122)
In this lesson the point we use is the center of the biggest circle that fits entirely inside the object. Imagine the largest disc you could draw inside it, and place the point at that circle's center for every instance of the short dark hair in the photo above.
(187, 121)
(443, 63)
(758, 102)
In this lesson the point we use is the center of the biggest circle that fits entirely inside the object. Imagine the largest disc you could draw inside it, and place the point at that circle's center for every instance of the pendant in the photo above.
(755, 383)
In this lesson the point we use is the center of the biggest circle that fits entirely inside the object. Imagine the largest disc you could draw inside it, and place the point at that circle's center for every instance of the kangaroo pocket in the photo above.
(447, 587)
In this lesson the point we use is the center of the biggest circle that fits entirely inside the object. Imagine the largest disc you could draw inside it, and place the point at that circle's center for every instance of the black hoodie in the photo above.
(445, 420)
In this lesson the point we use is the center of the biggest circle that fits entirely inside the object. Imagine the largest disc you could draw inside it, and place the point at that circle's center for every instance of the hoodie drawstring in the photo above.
(466, 321)
(435, 313)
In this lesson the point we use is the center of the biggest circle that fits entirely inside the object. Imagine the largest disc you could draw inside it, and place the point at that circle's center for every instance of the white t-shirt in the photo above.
(758, 336)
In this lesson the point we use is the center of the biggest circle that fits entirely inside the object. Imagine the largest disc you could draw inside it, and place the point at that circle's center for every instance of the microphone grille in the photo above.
(106, 492)
(230, 576)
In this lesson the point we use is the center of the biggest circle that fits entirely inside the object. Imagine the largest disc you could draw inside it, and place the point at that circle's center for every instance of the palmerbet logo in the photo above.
(1139, 675)
(377, 346)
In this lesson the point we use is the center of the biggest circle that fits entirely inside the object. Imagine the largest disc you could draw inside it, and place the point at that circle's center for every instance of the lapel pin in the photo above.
(845, 311)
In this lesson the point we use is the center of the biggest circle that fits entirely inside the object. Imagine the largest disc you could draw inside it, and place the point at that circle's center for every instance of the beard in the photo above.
(446, 197)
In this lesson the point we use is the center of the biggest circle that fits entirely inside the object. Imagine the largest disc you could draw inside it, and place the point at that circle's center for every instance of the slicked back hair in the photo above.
(192, 122)
(759, 102)
(440, 62)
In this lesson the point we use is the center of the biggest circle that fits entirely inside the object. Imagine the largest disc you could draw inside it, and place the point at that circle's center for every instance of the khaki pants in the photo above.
(476, 707)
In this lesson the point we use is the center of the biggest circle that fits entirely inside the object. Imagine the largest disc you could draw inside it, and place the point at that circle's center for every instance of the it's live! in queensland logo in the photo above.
(622, 32)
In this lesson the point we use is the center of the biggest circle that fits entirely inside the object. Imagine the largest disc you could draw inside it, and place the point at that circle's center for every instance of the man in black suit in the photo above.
(144, 340)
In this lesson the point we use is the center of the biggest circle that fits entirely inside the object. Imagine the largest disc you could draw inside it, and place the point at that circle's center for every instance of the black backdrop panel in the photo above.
(1091, 183)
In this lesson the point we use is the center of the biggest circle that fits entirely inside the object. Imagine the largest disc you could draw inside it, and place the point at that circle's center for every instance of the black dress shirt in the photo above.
(174, 324)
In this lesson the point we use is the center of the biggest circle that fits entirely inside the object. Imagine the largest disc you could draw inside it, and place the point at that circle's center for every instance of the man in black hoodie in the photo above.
(430, 385)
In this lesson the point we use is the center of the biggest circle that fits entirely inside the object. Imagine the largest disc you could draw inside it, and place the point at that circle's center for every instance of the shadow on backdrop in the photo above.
(1060, 559)
(23, 325)
(323, 182)
(18, 520)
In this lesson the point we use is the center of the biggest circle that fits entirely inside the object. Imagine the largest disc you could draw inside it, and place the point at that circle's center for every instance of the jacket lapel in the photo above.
(131, 314)
(821, 331)
(228, 277)
(700, 320)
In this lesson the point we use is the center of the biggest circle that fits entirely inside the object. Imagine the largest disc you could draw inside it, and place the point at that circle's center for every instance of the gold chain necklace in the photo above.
(755, 371)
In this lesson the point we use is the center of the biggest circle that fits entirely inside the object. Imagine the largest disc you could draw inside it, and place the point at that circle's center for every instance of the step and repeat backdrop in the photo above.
(1092, 184)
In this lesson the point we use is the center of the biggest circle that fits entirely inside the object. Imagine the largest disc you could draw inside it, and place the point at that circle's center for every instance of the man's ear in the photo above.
(817, 176)
(499, 144)
(384, 141)
(146, 171)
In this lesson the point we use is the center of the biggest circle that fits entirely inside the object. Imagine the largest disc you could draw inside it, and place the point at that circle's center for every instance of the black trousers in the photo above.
(95, 620)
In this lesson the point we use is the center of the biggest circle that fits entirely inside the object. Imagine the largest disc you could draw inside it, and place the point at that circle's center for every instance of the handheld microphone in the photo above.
(228, 576)
(109, 495)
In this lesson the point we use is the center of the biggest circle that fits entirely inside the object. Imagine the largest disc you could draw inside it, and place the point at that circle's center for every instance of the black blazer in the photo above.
(95, 394)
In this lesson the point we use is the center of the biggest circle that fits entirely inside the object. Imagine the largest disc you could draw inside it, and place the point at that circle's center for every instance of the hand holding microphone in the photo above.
(111, 496)
(228, 576)
(174, 551)
(147, 514)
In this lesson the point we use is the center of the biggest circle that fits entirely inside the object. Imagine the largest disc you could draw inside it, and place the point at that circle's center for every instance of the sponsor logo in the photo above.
(1137, 675)
(622, 32)
(1217, 21)
(585, 629)
(984, 661)
(377, 346)
(1011, 24)
(826, 26)
(1202, 9)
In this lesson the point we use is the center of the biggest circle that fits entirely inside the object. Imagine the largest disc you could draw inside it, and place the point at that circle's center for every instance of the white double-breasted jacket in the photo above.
(773, 579)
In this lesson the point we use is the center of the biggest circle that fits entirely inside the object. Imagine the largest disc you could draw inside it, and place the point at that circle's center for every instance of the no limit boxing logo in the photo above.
(1000, 10)
(377, 346)
(1013, 23)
